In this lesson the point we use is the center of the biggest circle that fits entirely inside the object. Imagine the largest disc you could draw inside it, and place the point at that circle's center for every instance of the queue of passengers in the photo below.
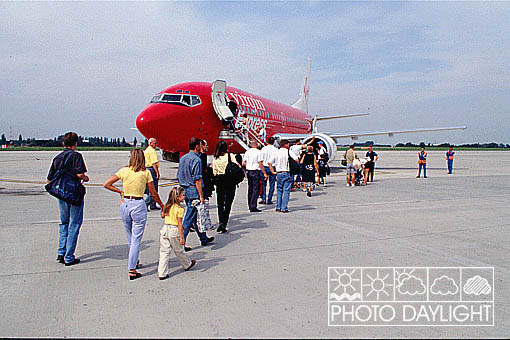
(196, 181)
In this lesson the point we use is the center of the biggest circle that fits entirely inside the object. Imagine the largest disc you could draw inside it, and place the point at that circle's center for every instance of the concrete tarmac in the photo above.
(268, 276)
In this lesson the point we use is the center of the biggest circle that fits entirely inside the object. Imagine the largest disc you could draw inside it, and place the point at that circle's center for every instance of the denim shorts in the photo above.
(350, 169)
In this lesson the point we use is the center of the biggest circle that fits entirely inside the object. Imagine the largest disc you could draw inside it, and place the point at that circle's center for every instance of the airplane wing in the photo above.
(354, 136)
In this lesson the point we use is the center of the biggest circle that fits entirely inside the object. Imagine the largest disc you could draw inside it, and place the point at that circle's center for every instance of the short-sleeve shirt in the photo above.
(267, 154)
(76, 165)
(175, 212)
(252, 157)
(350, 154)
(134, 183)
(281, 160)
(219, 164)
(151, 156)
(295, 150)
(190, 169)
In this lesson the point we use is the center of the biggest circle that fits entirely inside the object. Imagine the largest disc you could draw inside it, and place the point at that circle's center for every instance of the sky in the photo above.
(91, 67)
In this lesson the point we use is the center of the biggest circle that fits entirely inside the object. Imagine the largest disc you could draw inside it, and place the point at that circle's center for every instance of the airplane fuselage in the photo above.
(173, 122)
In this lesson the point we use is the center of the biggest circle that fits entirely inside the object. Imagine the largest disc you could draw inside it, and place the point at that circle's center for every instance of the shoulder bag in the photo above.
(64, 186)
(234, 174)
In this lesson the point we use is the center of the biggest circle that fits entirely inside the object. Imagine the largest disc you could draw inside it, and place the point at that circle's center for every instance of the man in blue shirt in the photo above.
(189, 175)
(449, 158)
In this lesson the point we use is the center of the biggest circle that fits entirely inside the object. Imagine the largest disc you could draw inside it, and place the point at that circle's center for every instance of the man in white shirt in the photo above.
(267, 153)
(283, 177)
(253, 163)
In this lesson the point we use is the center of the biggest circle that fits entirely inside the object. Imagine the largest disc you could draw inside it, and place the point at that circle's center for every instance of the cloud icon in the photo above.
(477, 285)
(411, 285)
(444, 285)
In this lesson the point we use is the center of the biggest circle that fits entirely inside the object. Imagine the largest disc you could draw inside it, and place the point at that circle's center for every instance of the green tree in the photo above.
(135, 142)
(4, 140)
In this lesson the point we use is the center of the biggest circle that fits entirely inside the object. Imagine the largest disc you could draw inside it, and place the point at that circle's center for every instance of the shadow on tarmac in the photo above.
(118, 252)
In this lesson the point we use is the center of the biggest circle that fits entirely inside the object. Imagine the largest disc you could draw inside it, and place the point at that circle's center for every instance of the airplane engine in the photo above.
(329, 143)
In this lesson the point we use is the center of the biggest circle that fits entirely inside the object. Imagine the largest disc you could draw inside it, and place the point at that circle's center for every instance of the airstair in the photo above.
(242, 136)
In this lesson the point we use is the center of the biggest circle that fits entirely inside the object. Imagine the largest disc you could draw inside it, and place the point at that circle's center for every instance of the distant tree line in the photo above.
(492, 145)
(82, 141)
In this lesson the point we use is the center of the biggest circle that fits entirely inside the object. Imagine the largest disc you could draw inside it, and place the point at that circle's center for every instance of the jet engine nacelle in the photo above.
(329, 143)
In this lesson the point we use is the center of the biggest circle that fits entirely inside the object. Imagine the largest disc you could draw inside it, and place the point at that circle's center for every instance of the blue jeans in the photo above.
(190, 218)
(450, 166)
(272, 180)
(134, 216)
(71, 218)
(424, 166)
(283, 186)
(150, 200)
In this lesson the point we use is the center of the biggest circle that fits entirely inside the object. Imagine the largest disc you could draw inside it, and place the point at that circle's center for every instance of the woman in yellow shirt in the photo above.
(172, 236)
(132, 206)
(225, 190)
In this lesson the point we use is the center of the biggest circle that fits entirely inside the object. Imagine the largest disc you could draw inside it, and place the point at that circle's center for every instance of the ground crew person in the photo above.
(449, 159)
(152, 164)
(422, 163)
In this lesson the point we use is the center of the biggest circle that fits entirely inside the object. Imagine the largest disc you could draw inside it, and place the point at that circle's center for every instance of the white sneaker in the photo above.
(347, 185)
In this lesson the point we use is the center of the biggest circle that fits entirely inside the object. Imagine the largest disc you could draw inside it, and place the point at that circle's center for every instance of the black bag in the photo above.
(234, 174)
(64, 186)
(293, 166)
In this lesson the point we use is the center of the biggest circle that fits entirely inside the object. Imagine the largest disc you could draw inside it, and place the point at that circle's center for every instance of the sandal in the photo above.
(134, 275)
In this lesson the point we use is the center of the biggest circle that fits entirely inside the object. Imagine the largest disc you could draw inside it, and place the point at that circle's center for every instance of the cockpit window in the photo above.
(171, 98)
(195, 100)
(177, 99)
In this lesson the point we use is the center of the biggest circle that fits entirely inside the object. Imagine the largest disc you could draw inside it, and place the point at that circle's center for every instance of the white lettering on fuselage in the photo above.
(247, 101)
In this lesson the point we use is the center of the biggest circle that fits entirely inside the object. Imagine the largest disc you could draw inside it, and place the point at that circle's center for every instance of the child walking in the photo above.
(172, 236)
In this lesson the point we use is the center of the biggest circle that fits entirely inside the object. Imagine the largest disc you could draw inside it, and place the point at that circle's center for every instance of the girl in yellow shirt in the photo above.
(132, 206)
(172, 236)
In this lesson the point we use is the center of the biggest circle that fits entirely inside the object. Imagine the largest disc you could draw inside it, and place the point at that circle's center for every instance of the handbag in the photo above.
(234, 174)
(204, 218)
(293, 166)
(64, 186)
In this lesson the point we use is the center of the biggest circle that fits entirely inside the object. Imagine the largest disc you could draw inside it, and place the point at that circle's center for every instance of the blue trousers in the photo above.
(190, 218)
(283, 186)
(450, 166)
(424, 166)
(71, 218)
(150, 200)
(271, 180)
(134, 216)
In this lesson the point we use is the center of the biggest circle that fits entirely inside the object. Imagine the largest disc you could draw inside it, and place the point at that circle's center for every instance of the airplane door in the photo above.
(219, 103)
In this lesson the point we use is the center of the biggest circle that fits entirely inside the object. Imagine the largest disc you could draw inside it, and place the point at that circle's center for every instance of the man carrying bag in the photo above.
(64, 182)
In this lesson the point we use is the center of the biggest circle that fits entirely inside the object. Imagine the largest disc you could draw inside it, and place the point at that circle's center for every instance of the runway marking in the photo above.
(278, 250)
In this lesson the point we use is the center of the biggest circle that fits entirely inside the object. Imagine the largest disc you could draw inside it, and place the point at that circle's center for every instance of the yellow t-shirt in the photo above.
(220, 164)
(134, 183)
(151, 156)
(176, 211)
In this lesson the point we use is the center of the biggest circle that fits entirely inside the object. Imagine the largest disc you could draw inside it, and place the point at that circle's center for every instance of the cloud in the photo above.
(82, 62)
(477, 285)
(411, 285)
(444, 285)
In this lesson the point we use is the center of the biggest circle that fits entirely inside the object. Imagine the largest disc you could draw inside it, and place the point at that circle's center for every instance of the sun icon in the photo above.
(378, 285)
(345, 280)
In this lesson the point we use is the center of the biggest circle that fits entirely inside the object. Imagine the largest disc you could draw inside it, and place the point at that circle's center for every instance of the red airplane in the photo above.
(199, 109)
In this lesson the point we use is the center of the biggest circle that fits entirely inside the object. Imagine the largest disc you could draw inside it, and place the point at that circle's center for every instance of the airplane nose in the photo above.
(149, 121)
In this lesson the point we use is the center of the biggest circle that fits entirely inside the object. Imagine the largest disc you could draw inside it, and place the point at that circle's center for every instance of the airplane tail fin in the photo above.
(302, 102)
